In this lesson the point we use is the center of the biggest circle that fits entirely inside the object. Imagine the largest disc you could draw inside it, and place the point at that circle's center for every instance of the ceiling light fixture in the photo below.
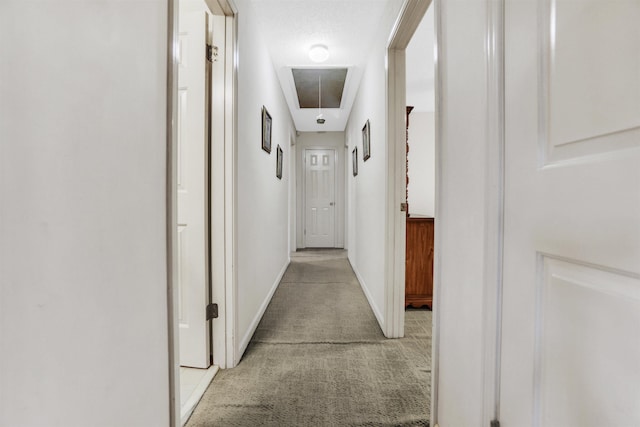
(320, 119)
(319, 53)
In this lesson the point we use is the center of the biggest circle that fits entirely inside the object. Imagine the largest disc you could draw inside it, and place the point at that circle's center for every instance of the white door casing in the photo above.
(218, 169)
(192, 198)
(571, 295)
(408, 21)
(319, 198)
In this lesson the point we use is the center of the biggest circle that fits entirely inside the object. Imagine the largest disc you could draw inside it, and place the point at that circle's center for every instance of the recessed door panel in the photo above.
(583, 352)
(590, 79)
(570, 345)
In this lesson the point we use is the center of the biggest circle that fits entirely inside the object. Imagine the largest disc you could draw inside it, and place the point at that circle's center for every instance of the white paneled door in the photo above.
(192, 202)
(571, 301)
(320, 198)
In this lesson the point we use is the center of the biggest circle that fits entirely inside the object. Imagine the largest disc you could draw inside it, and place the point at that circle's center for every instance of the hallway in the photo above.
(318, 358)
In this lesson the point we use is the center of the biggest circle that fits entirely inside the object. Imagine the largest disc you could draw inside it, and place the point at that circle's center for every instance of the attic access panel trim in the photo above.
(306, 82)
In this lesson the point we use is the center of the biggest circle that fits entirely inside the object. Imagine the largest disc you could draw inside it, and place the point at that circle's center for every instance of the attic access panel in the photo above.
(306, 82)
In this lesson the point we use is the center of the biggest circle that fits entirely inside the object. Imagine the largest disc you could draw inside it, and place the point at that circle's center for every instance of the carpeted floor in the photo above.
(318, 358)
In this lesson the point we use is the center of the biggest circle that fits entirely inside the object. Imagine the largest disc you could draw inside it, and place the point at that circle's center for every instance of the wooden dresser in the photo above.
(419, 264)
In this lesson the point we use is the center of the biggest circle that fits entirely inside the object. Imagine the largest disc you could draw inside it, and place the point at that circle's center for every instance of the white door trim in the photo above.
(395, 239)
(410, 17)
(406, 24)
(172, 215)
(223, 158)
(303, 202)
(231, 181)
(227, 357)
(494, 205)
(293, 194)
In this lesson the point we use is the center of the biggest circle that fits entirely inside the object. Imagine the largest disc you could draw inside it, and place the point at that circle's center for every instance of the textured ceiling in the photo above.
(346, 27)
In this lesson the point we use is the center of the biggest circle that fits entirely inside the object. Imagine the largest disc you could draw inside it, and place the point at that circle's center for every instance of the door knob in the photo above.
(331, 204)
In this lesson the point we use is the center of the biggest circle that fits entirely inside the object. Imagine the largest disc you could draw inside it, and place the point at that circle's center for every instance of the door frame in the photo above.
(303, 202)
(406, 24)
(395, 241)
(223, 214)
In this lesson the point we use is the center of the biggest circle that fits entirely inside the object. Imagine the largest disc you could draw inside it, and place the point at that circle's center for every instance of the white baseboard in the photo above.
(244, 343)
(363, 285)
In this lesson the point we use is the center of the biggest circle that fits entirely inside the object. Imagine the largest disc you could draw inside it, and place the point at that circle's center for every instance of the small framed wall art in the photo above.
(354, 161)
(266, 130)
(366, 142)
(279, 162)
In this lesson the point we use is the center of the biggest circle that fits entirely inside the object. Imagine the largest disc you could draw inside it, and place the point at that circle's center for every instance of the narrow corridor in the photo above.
(318, 358)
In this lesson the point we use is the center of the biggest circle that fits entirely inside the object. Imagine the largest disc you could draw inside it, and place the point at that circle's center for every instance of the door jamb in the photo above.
(223, 208)
(231, 182)
(406, 24)
(173, 341)
(494, 211)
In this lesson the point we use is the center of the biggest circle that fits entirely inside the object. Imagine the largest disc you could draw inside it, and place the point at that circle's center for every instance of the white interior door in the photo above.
(320, 198)
(192, 199)
(571, 307)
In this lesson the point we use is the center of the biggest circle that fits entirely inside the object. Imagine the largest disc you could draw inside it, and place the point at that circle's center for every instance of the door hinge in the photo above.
(403, 207)
(212, 311)
(212, 53)
(495, 423)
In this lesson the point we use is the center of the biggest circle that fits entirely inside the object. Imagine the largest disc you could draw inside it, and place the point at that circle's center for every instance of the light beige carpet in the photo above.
(318, 358)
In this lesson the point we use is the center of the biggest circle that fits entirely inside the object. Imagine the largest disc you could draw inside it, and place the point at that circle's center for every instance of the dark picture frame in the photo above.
(366, 142)
(354, 161)
(266, 130)
(279, 162)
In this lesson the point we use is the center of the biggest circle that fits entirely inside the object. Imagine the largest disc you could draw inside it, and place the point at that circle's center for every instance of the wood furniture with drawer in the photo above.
(419, 262)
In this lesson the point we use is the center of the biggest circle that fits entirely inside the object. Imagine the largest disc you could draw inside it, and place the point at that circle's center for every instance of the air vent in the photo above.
(306, 81)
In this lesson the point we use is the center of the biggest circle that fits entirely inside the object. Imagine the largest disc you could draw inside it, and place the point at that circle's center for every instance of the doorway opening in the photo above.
(420, 165)
(201, 94)
(195, 34)
(412, 209)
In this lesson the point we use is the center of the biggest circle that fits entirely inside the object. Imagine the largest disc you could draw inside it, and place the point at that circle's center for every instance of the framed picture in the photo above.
(366, 142)
(266, 130)
(279, 162)
(354, 159)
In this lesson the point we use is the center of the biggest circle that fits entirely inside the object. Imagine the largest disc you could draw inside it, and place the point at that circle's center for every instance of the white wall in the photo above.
(83, 285)
(421, 163)
(262, 199)
(366, 192)
(333, 140)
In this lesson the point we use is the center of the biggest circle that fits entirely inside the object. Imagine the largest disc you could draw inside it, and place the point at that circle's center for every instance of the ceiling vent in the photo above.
(306, 82)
